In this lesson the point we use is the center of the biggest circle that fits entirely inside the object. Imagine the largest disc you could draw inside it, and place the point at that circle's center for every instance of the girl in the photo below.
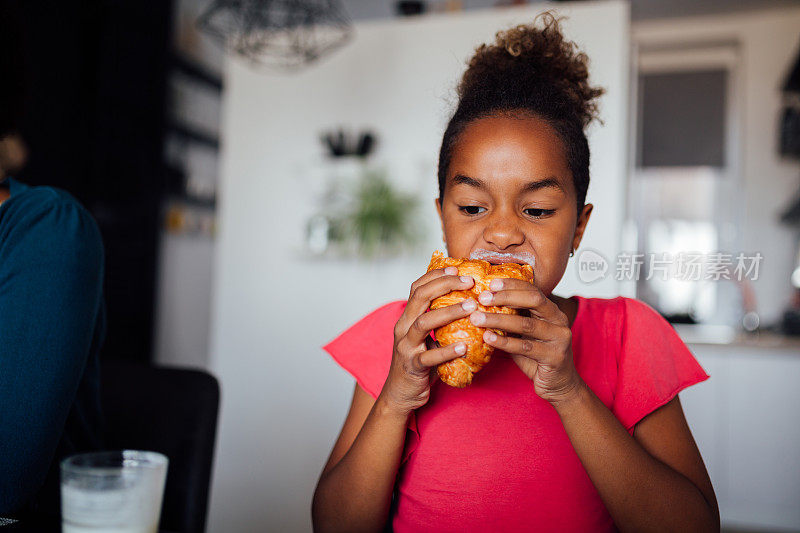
(575, 424)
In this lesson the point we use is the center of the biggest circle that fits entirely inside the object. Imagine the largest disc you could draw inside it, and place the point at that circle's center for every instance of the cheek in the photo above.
(551, 264)
(552, 258)
(549, 242)
(459, 228)
(460, 237)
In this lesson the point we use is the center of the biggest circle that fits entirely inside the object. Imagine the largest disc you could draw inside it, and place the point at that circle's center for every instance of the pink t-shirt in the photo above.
(494, 456)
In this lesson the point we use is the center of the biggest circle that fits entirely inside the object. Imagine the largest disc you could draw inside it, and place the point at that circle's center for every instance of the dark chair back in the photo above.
(172, 411)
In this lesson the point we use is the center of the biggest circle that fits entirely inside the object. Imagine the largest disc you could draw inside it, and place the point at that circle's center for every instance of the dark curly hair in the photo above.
(529, 72)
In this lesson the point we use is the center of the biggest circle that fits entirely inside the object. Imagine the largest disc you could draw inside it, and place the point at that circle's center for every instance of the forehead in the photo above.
(507, 149)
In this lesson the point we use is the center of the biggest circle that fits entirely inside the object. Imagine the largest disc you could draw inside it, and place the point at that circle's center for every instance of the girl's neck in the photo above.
(4, 194)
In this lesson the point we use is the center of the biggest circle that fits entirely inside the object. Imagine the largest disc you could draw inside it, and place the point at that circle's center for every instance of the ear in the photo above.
(583, 220)
(441, 218)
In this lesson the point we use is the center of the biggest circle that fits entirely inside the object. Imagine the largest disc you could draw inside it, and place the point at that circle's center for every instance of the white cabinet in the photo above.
(746, 423)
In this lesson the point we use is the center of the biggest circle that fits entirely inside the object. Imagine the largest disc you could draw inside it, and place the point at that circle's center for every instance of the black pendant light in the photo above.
(285, 34)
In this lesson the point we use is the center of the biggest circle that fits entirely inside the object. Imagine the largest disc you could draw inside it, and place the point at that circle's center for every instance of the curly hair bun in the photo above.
(529, 68)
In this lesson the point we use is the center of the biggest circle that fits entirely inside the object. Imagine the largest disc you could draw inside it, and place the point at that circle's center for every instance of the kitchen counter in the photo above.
(700, 334)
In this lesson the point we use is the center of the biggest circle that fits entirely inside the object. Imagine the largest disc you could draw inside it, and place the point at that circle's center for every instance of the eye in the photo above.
(470, 210)
(539, 213)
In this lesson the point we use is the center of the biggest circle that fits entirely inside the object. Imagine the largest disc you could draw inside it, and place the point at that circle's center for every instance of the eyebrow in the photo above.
(531, 186)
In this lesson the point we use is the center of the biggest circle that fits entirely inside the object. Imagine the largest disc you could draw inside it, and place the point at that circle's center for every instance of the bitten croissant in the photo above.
(458, 372)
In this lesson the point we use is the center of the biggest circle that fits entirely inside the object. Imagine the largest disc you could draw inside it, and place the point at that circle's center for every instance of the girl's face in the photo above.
(509, 189)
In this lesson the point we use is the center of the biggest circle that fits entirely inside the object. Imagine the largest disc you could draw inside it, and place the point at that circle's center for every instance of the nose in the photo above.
(502, 231)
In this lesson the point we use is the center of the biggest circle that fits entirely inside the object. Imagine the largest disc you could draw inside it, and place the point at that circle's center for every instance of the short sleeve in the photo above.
(653, 364)
(51, 278)
(364, 349)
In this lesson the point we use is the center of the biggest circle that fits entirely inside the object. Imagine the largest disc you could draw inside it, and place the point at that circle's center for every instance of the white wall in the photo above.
(184, 300)
(283, 399)
(768, 44)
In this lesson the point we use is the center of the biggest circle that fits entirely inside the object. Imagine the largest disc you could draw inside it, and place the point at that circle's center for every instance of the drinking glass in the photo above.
(112, 492)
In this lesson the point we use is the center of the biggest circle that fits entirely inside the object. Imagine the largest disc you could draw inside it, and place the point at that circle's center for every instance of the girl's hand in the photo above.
(542, 345)
(415, 356)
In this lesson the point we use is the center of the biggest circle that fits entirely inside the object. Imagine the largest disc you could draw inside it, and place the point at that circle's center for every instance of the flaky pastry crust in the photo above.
(459, 372)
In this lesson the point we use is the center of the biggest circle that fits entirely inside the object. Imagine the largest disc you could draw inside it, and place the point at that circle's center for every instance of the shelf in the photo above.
(192, 69)
(192, 135)
(192, 201)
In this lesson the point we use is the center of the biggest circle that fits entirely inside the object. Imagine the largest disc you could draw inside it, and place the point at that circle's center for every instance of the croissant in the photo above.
(458, 372)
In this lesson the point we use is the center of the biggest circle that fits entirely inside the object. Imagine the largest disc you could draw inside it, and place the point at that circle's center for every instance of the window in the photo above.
(684, 194)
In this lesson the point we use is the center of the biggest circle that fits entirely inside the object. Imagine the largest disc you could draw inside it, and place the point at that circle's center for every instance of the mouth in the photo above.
(497, 258)
(500, 261)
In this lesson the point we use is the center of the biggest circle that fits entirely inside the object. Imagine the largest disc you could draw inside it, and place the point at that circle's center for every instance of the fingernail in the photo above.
(485, 297)
(477, 318)
(496, 284)
(466, 279)
(452, 271)
(490, 336)
(469, 305)
(461, 348)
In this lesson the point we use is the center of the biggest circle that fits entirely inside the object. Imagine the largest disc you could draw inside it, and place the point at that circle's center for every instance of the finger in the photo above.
(423, 295)
(416, 306)
(431, 275)
(531, 327)
(540, 351)
(437, 318)
(437, 356)
(519, 294)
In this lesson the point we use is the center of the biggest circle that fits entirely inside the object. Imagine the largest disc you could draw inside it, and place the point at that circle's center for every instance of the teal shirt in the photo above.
(52, 323)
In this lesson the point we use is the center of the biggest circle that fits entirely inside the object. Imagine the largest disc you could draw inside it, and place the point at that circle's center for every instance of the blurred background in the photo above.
(260, 191)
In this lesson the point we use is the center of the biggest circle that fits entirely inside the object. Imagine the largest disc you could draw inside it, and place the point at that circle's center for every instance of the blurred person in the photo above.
(575, 424)
(52, 320)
